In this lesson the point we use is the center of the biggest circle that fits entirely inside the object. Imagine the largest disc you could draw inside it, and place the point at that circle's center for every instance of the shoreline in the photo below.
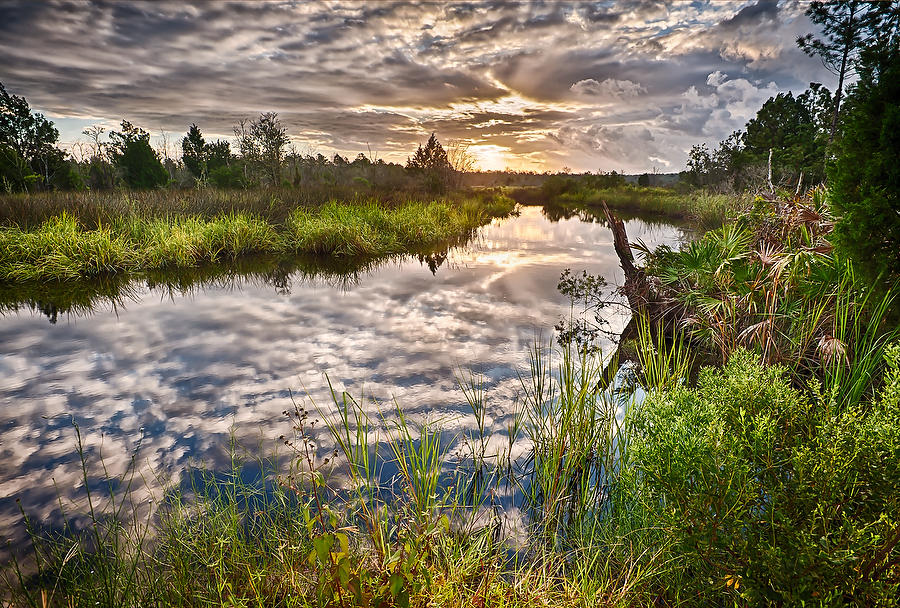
(62, 248)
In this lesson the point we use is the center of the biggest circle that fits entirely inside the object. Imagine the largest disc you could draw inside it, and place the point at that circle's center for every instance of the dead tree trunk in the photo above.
(638, 289)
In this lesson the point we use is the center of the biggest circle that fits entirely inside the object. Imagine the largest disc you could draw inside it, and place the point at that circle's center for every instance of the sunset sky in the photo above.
(540, 85)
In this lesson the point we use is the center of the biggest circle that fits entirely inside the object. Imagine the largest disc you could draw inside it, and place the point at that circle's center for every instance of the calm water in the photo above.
(177, 372)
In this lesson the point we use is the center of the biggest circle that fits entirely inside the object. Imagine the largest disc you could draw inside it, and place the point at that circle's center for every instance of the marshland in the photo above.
(387, 347)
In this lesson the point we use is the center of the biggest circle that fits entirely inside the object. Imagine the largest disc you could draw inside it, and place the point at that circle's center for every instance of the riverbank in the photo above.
(700, 208)
(768, 476)
(316, 528)
(79, 237)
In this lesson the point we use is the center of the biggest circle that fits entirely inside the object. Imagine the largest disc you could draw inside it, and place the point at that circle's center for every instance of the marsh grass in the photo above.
(137, 239)
(703, 209)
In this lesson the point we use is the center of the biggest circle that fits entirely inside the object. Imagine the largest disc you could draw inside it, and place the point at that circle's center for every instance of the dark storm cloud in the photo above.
(763, 10)
(550, 82)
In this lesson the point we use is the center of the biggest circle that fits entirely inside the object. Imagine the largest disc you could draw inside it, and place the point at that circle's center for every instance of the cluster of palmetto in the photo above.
(770, 282)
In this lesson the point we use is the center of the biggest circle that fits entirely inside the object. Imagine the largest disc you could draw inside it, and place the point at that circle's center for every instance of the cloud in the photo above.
(609, 88)
(349, 75)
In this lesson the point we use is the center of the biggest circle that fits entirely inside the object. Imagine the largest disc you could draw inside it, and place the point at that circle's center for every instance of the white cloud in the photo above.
(610, 88)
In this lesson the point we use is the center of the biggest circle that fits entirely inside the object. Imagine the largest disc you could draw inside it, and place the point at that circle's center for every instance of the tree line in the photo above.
(31, 159)
(791, 140)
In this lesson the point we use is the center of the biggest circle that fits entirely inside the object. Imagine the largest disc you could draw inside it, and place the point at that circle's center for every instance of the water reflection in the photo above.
(184, 361)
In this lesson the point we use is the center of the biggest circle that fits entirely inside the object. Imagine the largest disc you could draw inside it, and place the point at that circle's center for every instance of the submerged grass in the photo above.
(64, 248)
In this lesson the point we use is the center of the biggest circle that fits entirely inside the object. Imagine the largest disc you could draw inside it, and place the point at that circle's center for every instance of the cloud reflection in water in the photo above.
(185, 370)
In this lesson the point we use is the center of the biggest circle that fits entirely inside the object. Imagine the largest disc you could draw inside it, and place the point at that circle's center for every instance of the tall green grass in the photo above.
(333, 529)
(741, 490)
(64, 248)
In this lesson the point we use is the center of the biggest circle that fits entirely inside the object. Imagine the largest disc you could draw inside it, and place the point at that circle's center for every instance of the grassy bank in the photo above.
(80, 237)
(701, 208)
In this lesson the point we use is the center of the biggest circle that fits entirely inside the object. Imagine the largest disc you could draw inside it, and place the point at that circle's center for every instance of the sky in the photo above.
(593, 86)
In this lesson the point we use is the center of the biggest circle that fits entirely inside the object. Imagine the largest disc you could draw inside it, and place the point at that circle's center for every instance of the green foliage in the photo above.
(770, 496)
(224, 176)
(794, 128)
(28, 154)
(769, 282)
(139, 163)
(15, 173)
(701, 207)
(431, 157)
(204, 159)
(789, 127)
(192, 147)
(433, 163)
(262, 142)
(101, 175)
(864, 177)
(664, 364)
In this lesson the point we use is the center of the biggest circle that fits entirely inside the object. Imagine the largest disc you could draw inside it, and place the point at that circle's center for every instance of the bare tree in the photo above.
(93, 133)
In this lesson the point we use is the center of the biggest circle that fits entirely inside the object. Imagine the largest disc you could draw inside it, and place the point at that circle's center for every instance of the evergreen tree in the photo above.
(431, 157)
(139, 163)
(846, 29)
(202, 159)
(864, 177)
(193, 152)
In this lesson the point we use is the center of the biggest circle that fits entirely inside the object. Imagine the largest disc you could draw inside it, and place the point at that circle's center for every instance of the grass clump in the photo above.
(63, 248)
(59, 249)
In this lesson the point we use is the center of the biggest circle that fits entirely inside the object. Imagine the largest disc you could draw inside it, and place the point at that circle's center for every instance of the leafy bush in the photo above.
(226, 177)
(770, 495)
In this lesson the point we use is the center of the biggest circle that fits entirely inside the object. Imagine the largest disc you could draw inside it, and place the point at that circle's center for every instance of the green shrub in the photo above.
(227, 177)
(772, 496)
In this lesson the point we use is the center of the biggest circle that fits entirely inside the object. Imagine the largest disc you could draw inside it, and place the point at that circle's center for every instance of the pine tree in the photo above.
(432, 157)
(193, 152)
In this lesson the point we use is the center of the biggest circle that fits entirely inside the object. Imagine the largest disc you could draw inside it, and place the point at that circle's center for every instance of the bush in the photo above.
(226, 177)
(770, 496)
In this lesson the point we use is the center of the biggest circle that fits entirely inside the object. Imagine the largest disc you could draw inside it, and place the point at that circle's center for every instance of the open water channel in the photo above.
(175, 371)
